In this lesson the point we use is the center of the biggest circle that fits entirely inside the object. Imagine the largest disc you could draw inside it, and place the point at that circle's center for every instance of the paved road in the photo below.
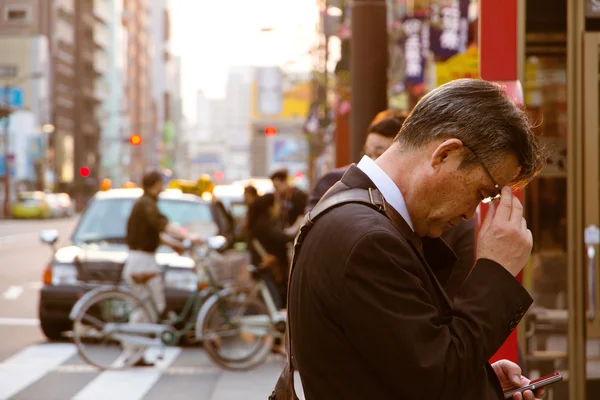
(33, 369)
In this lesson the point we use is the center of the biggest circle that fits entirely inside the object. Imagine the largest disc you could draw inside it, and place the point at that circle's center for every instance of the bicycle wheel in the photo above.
(224, 335)
(102, 350)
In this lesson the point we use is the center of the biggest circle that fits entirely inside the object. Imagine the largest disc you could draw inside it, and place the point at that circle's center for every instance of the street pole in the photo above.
(7, 153)
(316, 142)
(368, 69)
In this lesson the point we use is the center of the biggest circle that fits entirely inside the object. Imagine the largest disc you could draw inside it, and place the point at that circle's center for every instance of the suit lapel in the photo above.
(417, 245)
(440, 258)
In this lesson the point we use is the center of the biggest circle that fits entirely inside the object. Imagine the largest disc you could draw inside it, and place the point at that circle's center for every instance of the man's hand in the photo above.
(177, 248)
(195, 239)
(509, 375)
(173, 243)
(504, 237)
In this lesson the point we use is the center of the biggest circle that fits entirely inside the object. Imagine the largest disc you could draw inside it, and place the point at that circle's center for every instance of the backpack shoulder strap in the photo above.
(371, 197)
(284, 389)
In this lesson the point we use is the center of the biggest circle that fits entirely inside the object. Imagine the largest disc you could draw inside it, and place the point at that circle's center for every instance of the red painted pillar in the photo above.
(498, 53)
(342, 134)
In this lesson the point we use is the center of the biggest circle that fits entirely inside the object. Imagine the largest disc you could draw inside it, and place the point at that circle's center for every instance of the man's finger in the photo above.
(505, 207)
(488, 218)
(517, 210)
(513, 372)
(528, 395)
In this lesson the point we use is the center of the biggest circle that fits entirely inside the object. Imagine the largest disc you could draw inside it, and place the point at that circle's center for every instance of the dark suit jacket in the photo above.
(461, 239)
(370, 320)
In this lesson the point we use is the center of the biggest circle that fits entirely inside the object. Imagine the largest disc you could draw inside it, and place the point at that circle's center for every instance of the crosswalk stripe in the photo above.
(128, 384)
(31, 364)
(19, 322)
(12, 293)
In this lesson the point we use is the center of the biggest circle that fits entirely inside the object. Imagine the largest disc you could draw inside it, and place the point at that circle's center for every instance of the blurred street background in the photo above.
(217, 95)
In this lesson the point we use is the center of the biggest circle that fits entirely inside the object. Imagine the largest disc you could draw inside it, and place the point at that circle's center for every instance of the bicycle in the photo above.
(269, 323)
(107, 301)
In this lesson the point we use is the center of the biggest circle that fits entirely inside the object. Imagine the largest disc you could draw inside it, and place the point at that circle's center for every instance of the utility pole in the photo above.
(368, 69)
(316, 142)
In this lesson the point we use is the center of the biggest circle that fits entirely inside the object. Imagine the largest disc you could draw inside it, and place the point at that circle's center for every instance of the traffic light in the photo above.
(84, 172)
(270, 131)
(135, 140)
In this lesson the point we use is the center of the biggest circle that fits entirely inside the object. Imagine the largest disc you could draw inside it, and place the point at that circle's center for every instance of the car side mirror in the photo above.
(49, 236)
(216, 242)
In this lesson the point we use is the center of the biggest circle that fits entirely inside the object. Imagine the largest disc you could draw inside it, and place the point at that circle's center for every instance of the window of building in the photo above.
(17, 14)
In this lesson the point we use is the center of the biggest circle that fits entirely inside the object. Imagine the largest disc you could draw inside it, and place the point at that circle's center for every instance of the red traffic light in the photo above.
(135, 140)
(84, 172)
(219, 176)
(270, 131)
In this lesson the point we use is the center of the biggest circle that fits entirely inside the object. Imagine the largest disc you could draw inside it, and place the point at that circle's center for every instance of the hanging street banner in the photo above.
(416, 46)
(449, 21)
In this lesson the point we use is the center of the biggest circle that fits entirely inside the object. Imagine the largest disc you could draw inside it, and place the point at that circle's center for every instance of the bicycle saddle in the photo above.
(141, 278)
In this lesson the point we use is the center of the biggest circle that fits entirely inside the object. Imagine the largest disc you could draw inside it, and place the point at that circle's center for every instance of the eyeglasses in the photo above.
(498, 190)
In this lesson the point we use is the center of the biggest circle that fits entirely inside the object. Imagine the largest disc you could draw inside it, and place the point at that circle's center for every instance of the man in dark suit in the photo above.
(460, 238)
(368, 315)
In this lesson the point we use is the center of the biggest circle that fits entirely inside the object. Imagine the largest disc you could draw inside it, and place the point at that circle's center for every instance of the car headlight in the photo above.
(64, 274)
(183, 279)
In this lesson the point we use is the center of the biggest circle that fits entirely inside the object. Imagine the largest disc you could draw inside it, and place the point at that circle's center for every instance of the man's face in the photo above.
(280, 186)
(376, 144)
(449, 194)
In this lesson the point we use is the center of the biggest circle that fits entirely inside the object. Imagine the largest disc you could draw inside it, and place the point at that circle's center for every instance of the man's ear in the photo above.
(444, 150)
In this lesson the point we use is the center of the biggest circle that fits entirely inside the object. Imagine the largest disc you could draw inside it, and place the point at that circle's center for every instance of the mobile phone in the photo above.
(538, 383)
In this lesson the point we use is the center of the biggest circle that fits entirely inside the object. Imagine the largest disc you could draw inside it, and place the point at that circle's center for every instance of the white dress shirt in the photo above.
(386, 187)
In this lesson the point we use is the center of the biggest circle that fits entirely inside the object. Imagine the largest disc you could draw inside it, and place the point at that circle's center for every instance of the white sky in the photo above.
(212, 35)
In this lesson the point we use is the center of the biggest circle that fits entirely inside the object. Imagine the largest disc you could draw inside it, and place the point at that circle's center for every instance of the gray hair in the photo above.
(480, 115)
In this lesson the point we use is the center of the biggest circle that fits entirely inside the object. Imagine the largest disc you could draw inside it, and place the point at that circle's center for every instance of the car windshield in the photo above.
(106, 219)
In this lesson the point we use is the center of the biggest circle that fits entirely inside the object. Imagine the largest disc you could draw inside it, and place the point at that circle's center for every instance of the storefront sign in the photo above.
(449, 27)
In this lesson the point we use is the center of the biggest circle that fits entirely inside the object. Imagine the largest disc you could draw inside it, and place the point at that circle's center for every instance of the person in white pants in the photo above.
(147, 228)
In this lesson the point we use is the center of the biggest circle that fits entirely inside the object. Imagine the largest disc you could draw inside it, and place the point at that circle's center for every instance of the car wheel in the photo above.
(51, 330)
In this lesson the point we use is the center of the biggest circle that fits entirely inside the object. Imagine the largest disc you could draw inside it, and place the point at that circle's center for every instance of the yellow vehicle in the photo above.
(31, 205)
(200, 187)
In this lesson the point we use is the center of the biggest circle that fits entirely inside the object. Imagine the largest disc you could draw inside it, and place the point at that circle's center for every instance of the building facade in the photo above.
(139, 110)
(114, 119)
(160, 36)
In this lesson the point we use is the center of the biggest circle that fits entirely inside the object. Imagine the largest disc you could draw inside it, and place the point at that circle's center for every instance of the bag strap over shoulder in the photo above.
(284, 388)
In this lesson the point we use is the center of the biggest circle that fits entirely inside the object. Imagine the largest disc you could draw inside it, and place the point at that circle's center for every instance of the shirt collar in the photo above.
(386, 186)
